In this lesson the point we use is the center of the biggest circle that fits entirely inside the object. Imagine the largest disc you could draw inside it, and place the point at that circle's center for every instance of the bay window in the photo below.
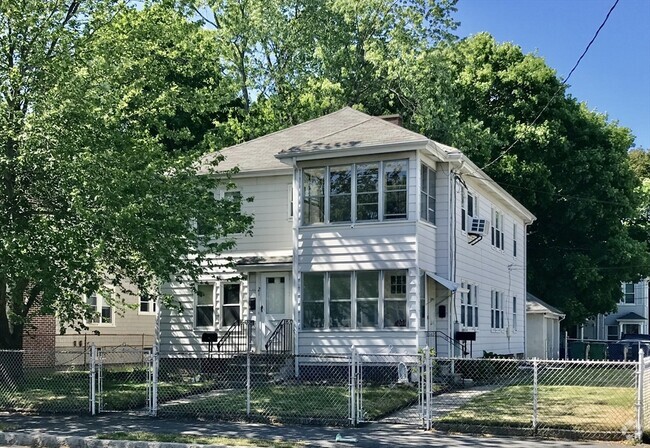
(355, 192)
(362, 299)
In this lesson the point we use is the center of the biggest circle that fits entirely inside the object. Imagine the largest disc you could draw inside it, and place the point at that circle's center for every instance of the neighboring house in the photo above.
(366, 235)
(543, 338)
(631, 316)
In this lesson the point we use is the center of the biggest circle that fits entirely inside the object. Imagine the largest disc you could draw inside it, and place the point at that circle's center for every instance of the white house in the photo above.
(542, 329)
(631, 316)
(367, 235)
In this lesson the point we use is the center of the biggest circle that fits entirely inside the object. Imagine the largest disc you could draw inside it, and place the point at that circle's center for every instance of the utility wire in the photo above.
(560, 88)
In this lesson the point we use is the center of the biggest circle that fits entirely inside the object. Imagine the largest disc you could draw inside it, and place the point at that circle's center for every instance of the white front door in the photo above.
(275, 304)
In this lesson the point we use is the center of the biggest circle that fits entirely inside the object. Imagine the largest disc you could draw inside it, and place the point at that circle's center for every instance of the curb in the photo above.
(50, 441)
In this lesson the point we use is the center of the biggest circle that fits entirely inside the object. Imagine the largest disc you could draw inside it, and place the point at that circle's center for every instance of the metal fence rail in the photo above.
(555, 398)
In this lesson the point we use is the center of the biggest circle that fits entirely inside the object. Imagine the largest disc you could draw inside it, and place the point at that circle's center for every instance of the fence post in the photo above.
(429, 380)
(353, 386)
(535, 395)
(154, 386)
(93, 372)
(248, 383)
(640, 372)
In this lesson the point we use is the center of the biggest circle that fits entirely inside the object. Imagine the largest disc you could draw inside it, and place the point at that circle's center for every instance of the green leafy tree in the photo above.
(567, 164)
(103, 112)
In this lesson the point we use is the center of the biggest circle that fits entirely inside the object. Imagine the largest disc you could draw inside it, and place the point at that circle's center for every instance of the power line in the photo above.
(551, 193)
(559, 89)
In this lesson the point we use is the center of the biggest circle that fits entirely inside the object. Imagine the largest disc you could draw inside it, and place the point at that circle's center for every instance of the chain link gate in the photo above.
(123, 379)
(388, 388)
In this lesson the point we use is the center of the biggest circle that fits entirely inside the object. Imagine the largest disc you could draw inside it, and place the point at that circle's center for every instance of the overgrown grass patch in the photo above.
(201, 440)
(581, 408)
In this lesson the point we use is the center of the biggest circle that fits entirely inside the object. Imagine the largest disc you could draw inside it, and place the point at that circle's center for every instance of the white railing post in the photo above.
(640, 372)
(429, 380)
(248, 383)
(353, 386)
(154, 384)
(535, 394)
(93, 373)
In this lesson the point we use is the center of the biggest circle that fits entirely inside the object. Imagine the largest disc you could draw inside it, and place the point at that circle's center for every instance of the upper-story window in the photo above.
(628, 293)
(428, 194)
(103, 311)
(468, 208)
(147, 304)
(514, 239)
(355, 192)
(498, 239)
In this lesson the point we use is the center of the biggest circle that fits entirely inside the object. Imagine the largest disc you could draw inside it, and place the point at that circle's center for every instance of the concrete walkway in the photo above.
(441, 405)
(80, 432)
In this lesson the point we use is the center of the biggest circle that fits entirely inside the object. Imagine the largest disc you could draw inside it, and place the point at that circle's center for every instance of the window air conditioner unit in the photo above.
(478, 226)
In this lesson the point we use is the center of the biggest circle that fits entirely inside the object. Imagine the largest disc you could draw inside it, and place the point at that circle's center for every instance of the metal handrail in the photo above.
(232, 338)
(446, 338)
(281, 339)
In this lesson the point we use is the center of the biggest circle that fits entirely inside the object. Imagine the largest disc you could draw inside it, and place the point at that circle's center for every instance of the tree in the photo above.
(570, 167)
(294, 60)
(99, 174)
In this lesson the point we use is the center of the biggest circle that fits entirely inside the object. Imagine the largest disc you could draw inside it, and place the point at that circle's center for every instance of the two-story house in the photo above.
(368, 235)
(631, 316)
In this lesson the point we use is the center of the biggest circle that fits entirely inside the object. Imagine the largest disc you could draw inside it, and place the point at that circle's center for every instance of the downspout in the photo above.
(295, 272)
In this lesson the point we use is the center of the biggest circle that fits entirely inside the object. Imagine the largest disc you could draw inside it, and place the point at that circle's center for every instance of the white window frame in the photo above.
(150, 302)
(467, 198)
(626, 294)
(222, 302)
(469, 305)
(99, 308)
(427, 214)
(514, 239)
(384, 296)
(382, 191)
(497, 238)
(212, 286)
(496, 310)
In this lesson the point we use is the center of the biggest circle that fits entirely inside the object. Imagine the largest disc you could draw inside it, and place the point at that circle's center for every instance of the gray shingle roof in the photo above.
(631, 316)
(537, 305)
(345, 128)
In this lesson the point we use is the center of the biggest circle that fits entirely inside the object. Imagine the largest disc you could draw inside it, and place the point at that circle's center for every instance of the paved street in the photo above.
(81, 432)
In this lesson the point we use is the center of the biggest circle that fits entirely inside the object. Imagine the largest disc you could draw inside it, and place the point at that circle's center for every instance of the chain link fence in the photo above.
(554, 398)
(27, 387)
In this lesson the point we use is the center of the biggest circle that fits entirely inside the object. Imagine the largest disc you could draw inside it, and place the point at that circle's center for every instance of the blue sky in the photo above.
(613, 78)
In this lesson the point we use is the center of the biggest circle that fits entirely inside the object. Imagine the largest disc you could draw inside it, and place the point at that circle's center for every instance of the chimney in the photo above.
(394, 118)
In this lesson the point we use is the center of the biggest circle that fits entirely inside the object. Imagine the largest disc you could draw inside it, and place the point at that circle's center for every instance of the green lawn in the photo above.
(294, 402)
(580, 408)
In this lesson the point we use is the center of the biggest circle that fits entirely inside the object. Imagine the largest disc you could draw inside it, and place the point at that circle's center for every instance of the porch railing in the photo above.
(238, 338)
(432, 341)
(281, 340)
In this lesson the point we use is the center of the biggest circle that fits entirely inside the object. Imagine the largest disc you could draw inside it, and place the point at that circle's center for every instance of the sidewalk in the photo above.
(54, 431)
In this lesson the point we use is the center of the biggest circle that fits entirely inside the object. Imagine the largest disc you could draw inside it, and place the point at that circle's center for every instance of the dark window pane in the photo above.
(367, 314)
(395, 313)
(204, 315)
(230, 315)
(340, 314)
(312, 315)
(395, 206)
(368, 284)
(341, 208)
(340, 286)
(312, 288)
(231, 293)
